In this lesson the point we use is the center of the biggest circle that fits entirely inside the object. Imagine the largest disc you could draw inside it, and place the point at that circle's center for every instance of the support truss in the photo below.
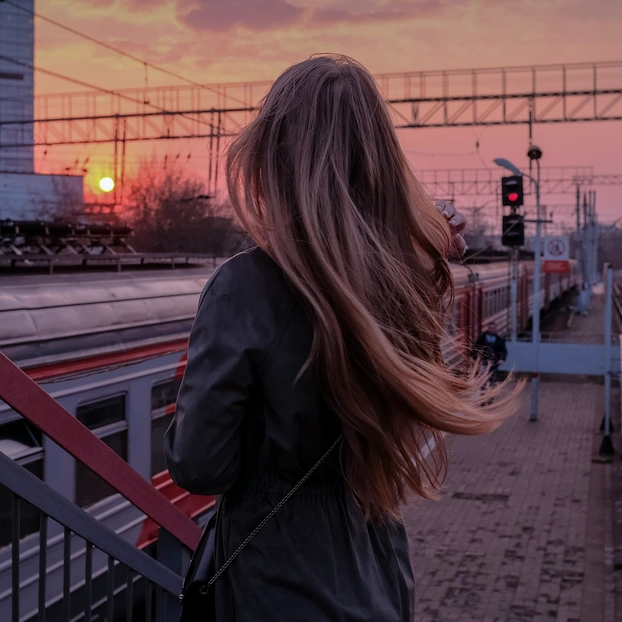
(494, 96)
(452, 183)
(507, 96)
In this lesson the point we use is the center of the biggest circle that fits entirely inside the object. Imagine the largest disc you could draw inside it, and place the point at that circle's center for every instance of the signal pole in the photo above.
(535, 154)
(514, 293)
(577, 237)
(513, 236)
(586, 246)
(594, 239)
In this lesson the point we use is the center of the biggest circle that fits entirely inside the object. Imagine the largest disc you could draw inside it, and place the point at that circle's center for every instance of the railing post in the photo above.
(172, 554)
(606, 447)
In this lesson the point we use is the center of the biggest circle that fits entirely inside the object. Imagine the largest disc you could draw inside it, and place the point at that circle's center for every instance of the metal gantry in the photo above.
(485, 181)
(489, 96)
(469, 97)
(506, 96)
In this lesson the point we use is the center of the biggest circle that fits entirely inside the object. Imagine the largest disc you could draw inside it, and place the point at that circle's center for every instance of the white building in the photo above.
(17, 42)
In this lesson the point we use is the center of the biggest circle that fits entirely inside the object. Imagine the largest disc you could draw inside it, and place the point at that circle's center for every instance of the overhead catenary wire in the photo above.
(101, 89)
(439, 155)
(112, 48)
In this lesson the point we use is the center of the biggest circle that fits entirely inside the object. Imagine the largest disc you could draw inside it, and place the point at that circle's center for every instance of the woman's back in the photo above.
(333, 330)
(259, 432)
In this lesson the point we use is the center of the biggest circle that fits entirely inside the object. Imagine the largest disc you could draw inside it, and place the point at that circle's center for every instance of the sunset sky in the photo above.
(245, 40)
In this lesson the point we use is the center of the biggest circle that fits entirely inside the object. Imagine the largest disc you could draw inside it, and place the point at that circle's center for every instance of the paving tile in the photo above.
(506, 542)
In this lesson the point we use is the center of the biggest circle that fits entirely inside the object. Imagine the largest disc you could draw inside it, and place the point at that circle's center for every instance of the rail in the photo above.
(143, 583)
(114, 575)
(28, 399)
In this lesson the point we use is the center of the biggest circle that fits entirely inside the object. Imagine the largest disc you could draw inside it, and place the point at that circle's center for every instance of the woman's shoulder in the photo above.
(252, 260)
(251, 276)
(247, 294)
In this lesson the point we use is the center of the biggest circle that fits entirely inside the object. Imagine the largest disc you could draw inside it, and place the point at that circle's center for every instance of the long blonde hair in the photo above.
(320, 182)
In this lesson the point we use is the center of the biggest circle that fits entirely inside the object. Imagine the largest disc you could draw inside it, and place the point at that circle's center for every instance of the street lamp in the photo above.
(534, 153)
(502, 162)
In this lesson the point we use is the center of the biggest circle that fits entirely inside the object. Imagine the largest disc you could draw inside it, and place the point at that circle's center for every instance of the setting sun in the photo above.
(106, 184)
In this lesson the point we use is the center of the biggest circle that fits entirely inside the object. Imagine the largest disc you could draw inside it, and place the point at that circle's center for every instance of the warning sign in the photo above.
(556, 253)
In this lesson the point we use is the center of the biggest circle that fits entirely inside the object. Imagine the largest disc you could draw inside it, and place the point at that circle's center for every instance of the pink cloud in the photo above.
(220, 15)
(395, 10)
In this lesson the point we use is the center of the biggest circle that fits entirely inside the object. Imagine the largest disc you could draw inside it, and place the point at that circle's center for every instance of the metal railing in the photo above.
(117, 261)
(133, 581)
(29, 400)
(95, 574)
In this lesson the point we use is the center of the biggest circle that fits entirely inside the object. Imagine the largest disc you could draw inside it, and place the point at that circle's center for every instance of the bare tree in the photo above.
(170, 213)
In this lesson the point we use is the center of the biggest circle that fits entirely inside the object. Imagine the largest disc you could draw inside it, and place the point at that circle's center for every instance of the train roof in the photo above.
(482, 273)
(47, 319)
(51, 318)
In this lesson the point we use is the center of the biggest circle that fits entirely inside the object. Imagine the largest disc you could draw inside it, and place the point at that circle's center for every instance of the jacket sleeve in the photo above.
(202, 444)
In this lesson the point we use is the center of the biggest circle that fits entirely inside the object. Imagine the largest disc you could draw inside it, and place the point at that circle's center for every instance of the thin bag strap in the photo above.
(274, 510)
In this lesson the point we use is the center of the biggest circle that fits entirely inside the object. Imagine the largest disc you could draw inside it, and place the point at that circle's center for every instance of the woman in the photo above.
(331, 326)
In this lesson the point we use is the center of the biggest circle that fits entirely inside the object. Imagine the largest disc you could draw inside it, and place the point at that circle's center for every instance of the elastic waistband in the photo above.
(267, 483)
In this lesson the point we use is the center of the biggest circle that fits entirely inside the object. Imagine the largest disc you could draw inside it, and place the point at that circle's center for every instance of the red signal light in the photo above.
(513, 196)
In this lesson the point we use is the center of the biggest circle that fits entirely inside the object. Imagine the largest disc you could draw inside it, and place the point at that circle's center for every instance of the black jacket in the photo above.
(247, 429)
(490, 351)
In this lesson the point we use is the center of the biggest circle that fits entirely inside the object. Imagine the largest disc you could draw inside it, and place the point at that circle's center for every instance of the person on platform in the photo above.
(328, 331)
(583, 300)
(490, 348)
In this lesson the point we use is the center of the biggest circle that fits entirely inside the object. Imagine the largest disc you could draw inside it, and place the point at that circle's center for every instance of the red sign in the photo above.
(556, 265)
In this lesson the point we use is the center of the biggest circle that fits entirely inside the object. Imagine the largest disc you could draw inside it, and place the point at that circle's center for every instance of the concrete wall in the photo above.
(16, 86)
(28, 196)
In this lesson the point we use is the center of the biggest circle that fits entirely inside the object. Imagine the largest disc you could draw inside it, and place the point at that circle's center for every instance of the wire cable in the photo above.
(122, 52)
(98, 88)
(61, 76)
(440, 155)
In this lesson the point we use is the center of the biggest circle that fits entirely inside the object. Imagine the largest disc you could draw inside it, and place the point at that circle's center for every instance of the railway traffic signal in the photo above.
(513, 230)
(512, 191)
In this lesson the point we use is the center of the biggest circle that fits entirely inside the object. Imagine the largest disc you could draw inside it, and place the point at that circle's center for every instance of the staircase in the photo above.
(76, 568)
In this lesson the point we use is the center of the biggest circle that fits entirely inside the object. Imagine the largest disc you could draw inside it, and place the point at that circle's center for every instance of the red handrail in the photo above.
(27, 398)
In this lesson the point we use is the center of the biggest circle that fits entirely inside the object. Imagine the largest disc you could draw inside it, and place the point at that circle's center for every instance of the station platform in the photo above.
(524, 529)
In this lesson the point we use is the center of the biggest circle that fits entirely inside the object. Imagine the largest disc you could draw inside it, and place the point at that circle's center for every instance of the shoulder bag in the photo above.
(197, 594)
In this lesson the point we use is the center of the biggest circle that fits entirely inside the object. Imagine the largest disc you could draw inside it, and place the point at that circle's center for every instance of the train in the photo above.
(111, 348)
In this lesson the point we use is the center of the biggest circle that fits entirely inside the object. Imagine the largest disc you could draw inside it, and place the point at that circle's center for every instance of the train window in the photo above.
(163, 397)
(107, 419)
(103, 412)
(20, 441)
(29, 515)
(164, 394)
